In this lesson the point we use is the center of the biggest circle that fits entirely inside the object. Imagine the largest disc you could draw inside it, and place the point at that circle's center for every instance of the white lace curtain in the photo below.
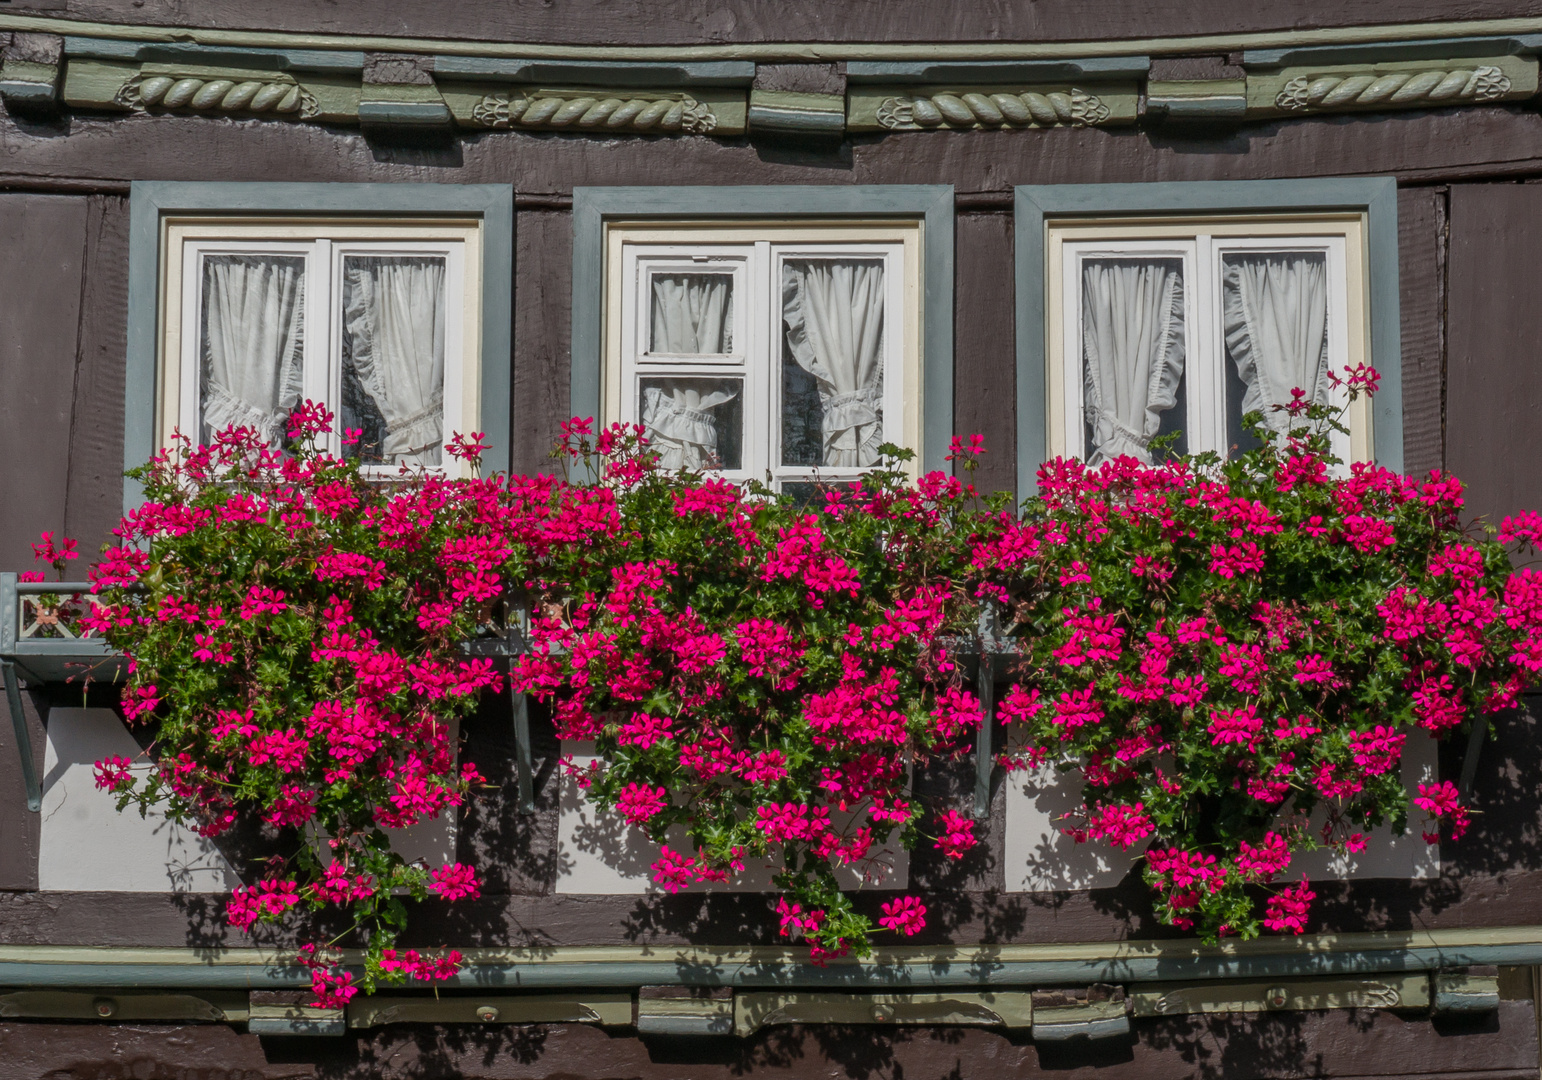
(394, 317)
(1133, 350)
(678, 422)
(834, 315)
(1275, 307)
(253, 342)
(692, 314)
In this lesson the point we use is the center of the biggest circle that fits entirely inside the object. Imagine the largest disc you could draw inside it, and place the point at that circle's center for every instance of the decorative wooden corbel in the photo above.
(399, 94)
(29, 74)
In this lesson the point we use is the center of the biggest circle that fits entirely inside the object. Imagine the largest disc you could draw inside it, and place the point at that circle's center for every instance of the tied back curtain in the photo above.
(1275, 307)
(692, 314)
(394, 312)
(252, 343)
(678, 422)
(1133, 351)
(833, 310)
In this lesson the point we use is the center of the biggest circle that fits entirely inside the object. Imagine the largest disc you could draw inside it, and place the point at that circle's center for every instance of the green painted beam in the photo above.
(596, 73)
(595, 967)
(175, 52)
(981, 73)
(1445, 48)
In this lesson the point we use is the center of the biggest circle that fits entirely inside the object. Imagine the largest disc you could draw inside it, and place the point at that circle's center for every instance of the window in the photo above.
(774, 352)
(778, 334)
(1148, 310)
(389, 303)
(375, 320)
(1183, 327)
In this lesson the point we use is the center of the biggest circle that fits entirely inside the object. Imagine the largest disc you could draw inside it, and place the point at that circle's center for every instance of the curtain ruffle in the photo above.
(222, 409)
(683, 431)
(853, 428)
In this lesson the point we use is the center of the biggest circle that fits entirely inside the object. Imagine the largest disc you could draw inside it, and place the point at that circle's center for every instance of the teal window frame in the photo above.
(932, 204)
(152, 200)
(1036, 205)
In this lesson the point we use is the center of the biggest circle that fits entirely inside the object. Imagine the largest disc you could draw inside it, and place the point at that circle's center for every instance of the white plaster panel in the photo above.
(1041, 858)
(431, 841)
(600, 852)
(87, 845)
(1385, 855)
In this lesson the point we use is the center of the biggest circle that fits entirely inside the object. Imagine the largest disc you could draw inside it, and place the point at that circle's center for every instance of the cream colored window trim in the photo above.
(323, 242)
(1200, 241)
(752, 253)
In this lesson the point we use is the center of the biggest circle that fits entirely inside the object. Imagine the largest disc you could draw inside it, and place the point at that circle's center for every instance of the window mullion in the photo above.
(321, 332)
(1206, 360)
(762, 416)
(893, 356)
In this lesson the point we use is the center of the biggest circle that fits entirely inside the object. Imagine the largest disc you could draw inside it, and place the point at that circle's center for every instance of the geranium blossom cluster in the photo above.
(1236, 656)
(315, 679)
(759, 677)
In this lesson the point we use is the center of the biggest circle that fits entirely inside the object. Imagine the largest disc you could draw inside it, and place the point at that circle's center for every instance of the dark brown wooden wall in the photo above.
(63, 290)
(1494, 355)
(1469, 221)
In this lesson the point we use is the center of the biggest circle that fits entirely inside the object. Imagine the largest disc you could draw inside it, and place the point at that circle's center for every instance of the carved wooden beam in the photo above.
(1421, 84)
(1008, 108)
(598, 111)
(196, 94)
(1485, 83)
(210, 90)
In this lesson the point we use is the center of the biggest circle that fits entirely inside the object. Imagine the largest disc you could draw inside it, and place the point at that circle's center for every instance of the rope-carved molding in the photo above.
(217, 95)
(596, 113)
(1075, 108)
(1479, 83)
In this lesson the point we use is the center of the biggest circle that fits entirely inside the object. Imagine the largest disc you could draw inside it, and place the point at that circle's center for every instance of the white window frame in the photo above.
(324, 245)
(1201, 243)
(754, 254)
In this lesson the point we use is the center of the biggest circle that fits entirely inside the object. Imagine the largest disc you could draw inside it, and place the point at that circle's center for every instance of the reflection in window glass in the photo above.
(833, 313)
(1133, 348)
(251, 343)
(394, 313)
(693, 314)
(694, 423)
(1275, 317)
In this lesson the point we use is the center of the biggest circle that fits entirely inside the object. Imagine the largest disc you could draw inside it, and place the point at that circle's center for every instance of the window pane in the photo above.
(1275, 316)
(251, 343)
(1133, 347)
(693, 314)
(832, 362)
(817, 494)
(394, 312)
(694, 423)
